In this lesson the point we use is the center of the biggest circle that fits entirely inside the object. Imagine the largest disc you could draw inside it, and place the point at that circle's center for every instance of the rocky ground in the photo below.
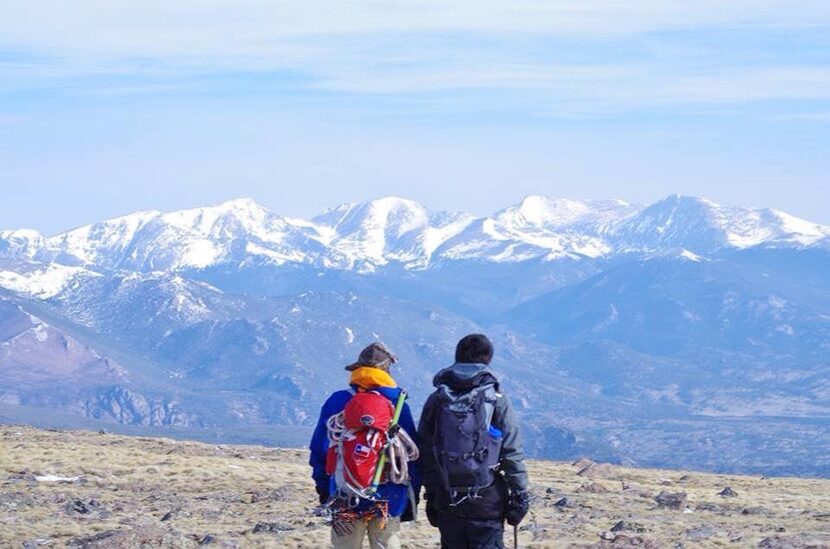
(87, 489)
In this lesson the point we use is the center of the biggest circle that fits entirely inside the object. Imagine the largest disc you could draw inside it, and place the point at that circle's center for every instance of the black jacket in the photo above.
(512, 468)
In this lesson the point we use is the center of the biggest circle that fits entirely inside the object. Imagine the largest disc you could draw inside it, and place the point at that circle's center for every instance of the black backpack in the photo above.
(465, 446)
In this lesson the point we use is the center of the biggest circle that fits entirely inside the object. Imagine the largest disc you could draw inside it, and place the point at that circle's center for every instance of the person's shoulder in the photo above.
(430, 401)
(338, 398)
(391, 393)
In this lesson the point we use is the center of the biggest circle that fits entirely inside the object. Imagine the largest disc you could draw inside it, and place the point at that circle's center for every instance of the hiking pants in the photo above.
(386, 538)
(461, 533)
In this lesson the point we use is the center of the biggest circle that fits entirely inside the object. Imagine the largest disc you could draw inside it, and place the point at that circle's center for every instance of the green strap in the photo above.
(382, 461)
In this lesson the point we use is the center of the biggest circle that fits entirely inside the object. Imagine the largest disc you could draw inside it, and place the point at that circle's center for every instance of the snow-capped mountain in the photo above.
(616, 325)
(702, 226)
(397, 232)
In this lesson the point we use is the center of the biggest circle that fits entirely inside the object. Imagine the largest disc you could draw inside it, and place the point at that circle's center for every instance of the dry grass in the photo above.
(168, 493)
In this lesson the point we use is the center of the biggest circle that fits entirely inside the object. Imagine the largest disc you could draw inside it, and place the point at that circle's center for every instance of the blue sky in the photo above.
(106, 109)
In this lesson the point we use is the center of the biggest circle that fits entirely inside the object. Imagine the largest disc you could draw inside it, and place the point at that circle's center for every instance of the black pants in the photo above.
(462, 533)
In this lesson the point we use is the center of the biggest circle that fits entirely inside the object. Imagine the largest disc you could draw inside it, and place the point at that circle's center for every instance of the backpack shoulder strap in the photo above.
(489, 396)
(485, 398)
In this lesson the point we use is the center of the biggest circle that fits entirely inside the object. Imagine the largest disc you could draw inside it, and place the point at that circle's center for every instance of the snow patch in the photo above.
(56, 478)
(691, 256)
(43, 283)
(41, 333)
(785, 329)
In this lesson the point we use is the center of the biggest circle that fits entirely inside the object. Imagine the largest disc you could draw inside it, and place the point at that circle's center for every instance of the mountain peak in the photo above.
(539, 210)
(684, 200)
(394, 202)
(242, 203)
(564, 213)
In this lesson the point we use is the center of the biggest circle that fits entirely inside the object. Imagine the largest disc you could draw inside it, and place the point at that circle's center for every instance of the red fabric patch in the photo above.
(360, 457)
(369, 409)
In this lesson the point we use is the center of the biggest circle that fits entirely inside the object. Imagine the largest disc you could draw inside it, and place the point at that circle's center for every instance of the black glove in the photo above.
(323, 494)
(432, 512)
(517, 507)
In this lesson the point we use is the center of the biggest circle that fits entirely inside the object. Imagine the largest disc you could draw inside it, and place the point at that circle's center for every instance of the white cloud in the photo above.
(253, 27)
(401, 48)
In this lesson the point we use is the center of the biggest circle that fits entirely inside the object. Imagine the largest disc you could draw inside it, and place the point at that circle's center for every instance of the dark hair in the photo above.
(474, 349)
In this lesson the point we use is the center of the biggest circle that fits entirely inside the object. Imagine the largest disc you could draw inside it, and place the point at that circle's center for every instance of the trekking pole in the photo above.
(382, 460)
(515, 536)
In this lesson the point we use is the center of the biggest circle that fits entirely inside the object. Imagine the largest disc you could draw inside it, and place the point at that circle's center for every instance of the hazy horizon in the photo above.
(479, 214)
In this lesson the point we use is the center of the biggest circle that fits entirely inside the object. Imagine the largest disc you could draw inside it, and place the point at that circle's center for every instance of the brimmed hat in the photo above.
(376, 355)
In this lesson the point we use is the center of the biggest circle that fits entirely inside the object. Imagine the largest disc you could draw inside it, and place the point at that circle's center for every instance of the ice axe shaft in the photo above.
(515, 536)
(382, 460)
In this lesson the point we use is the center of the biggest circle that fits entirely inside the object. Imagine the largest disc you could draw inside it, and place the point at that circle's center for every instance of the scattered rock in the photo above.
(22, 476)
(801, 541)
(592, 488)
(88, 540)
(534, 528)
(84, 508)
(597, 470)
(753, 511)
(271, 527)
(625, 541)
(77, 506)
(671, 500)
(207, 539)
(167, 516)
(713, 508)
(623, 526)
(639, 491)
(563, 503)
(582, 463)
(700, 533)
(685, 478)
(728, 493)
(16, 500)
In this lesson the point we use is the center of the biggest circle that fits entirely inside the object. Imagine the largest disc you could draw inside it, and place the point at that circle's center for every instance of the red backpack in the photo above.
(357, 436)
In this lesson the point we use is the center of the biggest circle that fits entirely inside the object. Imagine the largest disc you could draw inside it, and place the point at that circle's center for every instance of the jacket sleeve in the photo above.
(429, 473)
(408, 425)
(320, 444)
(512, 457)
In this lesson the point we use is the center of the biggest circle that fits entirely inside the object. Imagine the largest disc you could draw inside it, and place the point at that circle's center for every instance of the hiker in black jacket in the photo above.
(472, 461)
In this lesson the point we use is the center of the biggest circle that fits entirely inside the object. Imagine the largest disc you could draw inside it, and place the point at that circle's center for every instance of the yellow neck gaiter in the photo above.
(367, 378)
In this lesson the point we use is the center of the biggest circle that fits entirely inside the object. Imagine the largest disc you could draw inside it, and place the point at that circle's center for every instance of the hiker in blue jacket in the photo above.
(369, 373)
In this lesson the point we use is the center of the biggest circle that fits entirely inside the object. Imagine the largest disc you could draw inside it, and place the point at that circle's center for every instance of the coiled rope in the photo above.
(400, 448)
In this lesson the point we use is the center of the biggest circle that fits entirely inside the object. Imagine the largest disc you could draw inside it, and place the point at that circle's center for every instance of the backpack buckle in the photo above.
(469, 494)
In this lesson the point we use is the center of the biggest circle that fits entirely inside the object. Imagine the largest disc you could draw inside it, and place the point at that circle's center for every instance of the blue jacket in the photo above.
(396, 494)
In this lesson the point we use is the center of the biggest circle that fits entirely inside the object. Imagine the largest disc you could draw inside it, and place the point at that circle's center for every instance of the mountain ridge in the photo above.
(680, 333)
(371, 235)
